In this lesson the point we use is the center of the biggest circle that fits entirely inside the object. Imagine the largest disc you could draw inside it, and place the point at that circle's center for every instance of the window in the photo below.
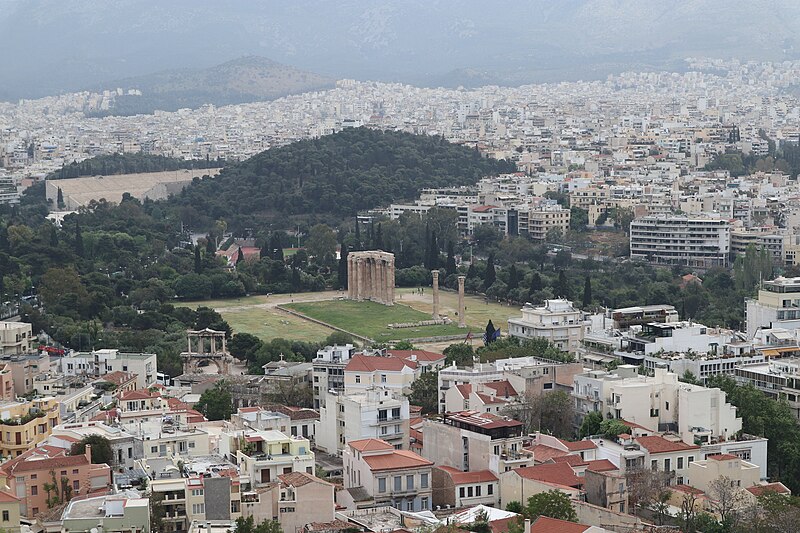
(6, 518)
(197, 492)
(33, 476)
(34, 490)
(35, 511)
(410, 482)
(461, 492)
(398, 483)
(198, 508)
(654, 464)
(478, 490)
(469, 492)
(423, 504)
(667, 464)
(153, 449)
(76, 484)
(423, 481)
(680, 463)
(358, 378)
(381, 484)
(384, 430)
(396, 412)
(490, 489)
(74, 471)
(691, 458)
(547, 386)
(383, 378)
(409, 505)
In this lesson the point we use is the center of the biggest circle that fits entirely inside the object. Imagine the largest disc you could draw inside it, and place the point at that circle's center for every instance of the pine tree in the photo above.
(276, 246)
(450, 264)
(471, 273)
(427, 256)
(536, 284)
(587, 292)
(78, 240)
(490, 333)
(513, 278)
(491, 275)
(295, 279)
(198, 263)
(433, 260)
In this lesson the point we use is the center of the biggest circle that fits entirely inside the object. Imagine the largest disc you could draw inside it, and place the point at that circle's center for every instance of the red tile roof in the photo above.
(555, 473)
(6, 497)
(579, 445)
(571, 460)
(396, 460)
(138, 395)
(483, 208)
(723, 457)
(542, 453)
(504, 388)
(778, 487)
(545, 524)
(502, 525)
(687, 489)
(48, 464)
(370, 445)
(460, 478)
(464, 389)
(421, 355)
(371, 363)
(657, 444)
(601, 465)
(298, 479)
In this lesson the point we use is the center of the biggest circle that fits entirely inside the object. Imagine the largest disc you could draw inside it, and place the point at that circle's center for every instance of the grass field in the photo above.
(257, 315)
(371, 319)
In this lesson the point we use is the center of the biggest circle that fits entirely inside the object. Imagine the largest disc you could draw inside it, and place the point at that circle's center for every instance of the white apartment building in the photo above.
(388, 372)
(16, 338)
(659, 403)
(328, 370)
(777, 378)
(777, 306)
(376, 413)
(101, 362)
(557, 321)
(679, 240)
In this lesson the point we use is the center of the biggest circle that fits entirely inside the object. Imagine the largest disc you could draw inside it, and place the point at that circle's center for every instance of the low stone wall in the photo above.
(440, 322)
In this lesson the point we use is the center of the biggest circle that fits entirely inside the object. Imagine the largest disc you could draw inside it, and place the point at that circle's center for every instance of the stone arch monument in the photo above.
(370, 276)
(206, 345)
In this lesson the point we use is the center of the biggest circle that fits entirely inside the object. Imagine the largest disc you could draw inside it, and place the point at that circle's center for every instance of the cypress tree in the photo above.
(211, 248)
(489, 333)
(491, 275)
(357, 244)
(276, 246)
(295, 279)
(536, 284)
(562, 286)
(60, 199)
(433, 259)
(379, 238)
(239, 255)
(4, 245)
(198, 263)
(450, 264)
(343, 268)
(471, 273)
(513, 278)
(53, 237)
(78, 239)
(587, 292)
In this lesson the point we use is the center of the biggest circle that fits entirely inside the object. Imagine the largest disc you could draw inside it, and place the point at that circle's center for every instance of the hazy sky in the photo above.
(51, 46)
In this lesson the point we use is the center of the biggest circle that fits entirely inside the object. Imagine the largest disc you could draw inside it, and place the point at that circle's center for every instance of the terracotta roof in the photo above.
(371, 363)
(118, 377)
(298, 479)
(49, 464)
(601, 465)
(483, 208)
(6, 497)
(490, 400)
(657, 444)
(571, 460)
(502, 525)
(249, 409)
(545, 524)
(138, 395)
(542, 452)
(298, 413)
(687, 489)
(634, 425)
(464, 389)
(778, 487)
(417, 436)
(579, 445)
(370, 445)
(477, 476)
(723, 457)
(503, 388)
(555, 473)
(396, 460)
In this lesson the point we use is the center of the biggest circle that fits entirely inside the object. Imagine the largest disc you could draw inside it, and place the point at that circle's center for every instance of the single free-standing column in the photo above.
(462, 319)
(435, 274)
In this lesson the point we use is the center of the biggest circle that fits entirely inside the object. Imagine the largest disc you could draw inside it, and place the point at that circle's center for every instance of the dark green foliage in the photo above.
(101, 449)
(587, 292)
(450, 264)
(591, 424)
(247, 525)
(216, 403)
(461, 354)
(198, 264)
(425, 392)
(336, 176)
(129, 163)
(490, 275)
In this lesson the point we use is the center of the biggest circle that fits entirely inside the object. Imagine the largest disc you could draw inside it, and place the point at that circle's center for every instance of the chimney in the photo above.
(88, 453)
(527, 525)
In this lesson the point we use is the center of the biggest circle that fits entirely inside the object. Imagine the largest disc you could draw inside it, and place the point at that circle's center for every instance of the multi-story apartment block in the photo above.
(26, 476)
(777, 378)
(777, 306)
(264, 455)
(16, 338)
(680, 240)
(25, 424)
(328, 371)
(388, 476)
(126, 448)
(102, 362)
(111, 514)
(388, 372)
(375, 413)
(471, 441)
(557, 321)
(659, 403)
(546, 219)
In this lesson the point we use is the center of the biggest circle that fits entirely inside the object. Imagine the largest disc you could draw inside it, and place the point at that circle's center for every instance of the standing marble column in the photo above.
(350, 277)
(391, 281)
(435, 274)
(462, 318)
(381, 280)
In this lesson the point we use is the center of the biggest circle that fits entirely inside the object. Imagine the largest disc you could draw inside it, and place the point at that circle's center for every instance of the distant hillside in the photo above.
(107, 165)
(249, 79)
(333, 177)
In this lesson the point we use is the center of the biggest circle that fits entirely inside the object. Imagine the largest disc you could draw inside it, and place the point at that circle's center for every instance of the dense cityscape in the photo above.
(555, 307)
